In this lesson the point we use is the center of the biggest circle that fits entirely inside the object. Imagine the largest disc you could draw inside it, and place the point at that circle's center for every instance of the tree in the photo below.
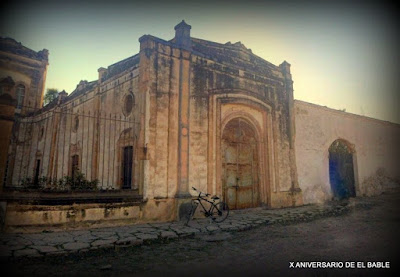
(51, 94)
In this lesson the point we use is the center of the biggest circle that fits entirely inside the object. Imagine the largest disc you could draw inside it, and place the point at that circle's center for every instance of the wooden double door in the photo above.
(240, 165)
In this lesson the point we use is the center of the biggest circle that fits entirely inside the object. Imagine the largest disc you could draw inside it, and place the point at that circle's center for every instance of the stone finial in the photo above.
(239, 44)
(285, 67)
(285, 64)
(102, 72)
(44, 54)
(82, 84)
(182, 35)
(61, 96)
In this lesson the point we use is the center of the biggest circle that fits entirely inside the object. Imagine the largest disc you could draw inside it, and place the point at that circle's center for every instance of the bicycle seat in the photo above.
(215, 197)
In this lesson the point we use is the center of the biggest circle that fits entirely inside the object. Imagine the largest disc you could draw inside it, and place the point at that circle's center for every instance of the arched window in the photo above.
(126, 160)
(20, 96)
(74, 166)
(75, 125)
(127, 163)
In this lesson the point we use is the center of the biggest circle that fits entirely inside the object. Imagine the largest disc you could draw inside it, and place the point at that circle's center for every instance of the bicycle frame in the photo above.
(217, 213)
(200, 199)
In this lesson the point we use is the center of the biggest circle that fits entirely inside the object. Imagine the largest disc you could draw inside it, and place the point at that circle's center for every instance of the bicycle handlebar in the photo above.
(206, 194)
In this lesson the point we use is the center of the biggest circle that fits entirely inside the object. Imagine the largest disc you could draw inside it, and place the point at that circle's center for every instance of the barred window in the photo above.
(127, 167)
(74, 165)
(20, 96)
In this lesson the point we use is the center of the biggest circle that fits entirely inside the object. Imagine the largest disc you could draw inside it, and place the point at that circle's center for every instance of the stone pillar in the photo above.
(183, 134)
(61, 96)
(7, 110)
(183, 42)
(102, 72)
(96, 136)
(44, 56)
(182, 35)
(53, 157)
(285, 69)
(295, 189)
(145, 90)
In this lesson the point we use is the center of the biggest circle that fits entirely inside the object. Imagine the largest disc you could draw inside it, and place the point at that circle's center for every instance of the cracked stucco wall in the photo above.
(375, 144)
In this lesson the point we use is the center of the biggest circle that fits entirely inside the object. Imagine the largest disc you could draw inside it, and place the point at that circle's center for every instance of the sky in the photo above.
(343, 54)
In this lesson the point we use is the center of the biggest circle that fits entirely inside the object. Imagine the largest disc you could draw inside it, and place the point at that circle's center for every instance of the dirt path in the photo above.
(369, 233)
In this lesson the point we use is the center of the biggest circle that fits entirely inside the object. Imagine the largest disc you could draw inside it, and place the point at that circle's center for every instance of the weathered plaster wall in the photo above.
(36, 218)
(376, 145)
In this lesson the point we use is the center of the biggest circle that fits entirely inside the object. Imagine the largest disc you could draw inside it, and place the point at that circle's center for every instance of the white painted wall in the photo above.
(376, 145)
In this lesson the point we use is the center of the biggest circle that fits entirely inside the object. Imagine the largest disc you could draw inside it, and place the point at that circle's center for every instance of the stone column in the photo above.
(7, 108)
(146, 88)
(44, 56)
(295, 189)
(184, 114)
(183, 42)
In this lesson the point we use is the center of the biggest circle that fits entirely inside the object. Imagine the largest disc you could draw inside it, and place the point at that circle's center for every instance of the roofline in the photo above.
(121, 61)
(346, 113)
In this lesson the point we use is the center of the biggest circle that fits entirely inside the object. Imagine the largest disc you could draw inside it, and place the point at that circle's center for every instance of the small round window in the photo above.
(129, 102)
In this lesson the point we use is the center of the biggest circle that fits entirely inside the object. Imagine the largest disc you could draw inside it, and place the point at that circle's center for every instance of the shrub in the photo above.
(65, 183)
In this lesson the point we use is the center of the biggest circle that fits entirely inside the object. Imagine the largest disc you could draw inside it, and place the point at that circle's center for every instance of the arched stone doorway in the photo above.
(341, 170)
(240, 162)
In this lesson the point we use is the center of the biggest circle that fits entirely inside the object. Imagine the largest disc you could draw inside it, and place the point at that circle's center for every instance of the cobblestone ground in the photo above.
(255, 242)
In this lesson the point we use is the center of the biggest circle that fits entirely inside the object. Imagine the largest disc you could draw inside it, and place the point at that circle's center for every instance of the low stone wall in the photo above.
(28, 218)
(286, 199)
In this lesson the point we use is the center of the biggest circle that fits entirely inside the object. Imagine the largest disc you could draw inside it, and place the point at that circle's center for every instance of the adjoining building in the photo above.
(182, 113)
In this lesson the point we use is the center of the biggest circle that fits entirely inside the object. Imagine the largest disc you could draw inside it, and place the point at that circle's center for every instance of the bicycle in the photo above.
(217, 211)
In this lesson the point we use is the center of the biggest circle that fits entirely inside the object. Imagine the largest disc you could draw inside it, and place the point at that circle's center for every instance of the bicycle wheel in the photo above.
(191, 213)
(220, 212)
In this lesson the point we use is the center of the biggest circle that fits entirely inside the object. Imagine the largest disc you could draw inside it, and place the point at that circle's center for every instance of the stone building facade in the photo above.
(181, 113)
(22, 81)
(23, 74)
